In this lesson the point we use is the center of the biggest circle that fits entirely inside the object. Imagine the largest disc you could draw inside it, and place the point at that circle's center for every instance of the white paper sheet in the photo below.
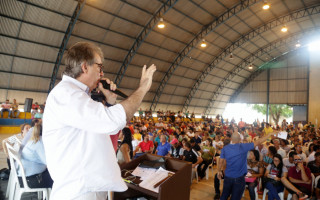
(158, 176)
(283, 135)
(144, 172)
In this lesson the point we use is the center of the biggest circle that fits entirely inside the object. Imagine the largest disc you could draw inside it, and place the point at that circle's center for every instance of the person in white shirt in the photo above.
(263, 151)
(316, 148)
(80, 156)
(276, 143)
(289, 162)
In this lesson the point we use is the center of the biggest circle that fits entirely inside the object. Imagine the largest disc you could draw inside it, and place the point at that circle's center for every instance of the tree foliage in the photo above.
(275, 110)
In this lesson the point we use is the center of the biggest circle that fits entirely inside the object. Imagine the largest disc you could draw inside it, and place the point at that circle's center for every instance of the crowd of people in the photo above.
(275, 164)
(14, 112)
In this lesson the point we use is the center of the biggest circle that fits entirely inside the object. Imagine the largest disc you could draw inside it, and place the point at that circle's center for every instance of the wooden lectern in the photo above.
(176, 187)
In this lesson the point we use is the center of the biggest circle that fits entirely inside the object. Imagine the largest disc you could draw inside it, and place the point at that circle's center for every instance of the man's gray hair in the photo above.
(78, 54)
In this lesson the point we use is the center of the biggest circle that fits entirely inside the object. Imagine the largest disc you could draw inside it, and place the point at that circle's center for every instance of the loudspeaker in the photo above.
(28, 105)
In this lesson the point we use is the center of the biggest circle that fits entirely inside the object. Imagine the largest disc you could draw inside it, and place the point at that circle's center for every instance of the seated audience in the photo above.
(289, 162)
(255, 171)
(39, 114)
(190, 155)
(34, 162)
(163, 147)
(263, 151)
(146, 146)
(269, 157)
(6, 107)
(300, 177)
(176, 151)
(194, 145)
(316, 148)
(125, 151)
(314, 167)
(15, 140)
(276, 143)
(15, 109)
(207, 152)
(274, 173)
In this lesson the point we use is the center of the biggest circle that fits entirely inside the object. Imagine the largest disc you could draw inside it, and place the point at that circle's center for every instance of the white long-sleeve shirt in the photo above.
(79, 153)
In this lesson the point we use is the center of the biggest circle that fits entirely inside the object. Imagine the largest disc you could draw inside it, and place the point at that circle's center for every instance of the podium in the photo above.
(177, 187)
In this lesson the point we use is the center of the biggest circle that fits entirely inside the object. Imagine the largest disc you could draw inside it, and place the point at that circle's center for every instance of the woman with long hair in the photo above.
(34, 161)
(269, 157)
(275, 171)
(255, 171)
(207, 154)
(125, 152)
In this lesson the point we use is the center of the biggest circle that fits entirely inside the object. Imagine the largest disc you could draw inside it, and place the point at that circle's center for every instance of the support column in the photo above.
(314, 91)
(268, 94)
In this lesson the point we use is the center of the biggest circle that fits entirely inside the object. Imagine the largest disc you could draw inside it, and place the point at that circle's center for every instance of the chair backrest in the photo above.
(15, 158)
(313, 180)
(316, 181)
(9, 146)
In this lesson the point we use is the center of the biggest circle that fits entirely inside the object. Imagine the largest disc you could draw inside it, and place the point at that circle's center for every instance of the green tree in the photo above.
(275, 110)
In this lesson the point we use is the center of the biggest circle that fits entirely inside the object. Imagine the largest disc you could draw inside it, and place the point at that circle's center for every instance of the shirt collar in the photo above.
(81, 85)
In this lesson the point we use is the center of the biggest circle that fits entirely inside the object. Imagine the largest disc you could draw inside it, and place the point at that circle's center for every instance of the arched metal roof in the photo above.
(34, 34)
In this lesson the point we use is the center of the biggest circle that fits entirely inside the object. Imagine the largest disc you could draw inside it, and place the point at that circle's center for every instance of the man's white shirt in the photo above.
(79, 151)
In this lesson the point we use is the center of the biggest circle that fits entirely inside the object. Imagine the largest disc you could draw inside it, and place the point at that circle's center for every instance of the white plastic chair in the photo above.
(17, 191)
(11, 182)
(281, 194)
(207, 171)
(312, 184)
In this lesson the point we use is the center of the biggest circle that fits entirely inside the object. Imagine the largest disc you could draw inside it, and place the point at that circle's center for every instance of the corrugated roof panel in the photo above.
(44, 18)
(5, 62)
(64, 6)
(4, 80)
(8, 45)
(22, 65)
(41, 52)
(125, 27)
(41, 35)
(12, 8)
(9, 26)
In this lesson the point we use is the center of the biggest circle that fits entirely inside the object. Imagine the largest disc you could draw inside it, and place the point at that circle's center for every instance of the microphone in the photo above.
(117, 91)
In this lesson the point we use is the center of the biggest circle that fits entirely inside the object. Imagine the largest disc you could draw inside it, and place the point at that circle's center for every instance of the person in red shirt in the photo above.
(300, 177)
(146, 146)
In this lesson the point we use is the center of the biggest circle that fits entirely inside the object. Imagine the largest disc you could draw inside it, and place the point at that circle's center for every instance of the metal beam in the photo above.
(186, 50)
(98, 42)
(64, 42)
(261, 29)
(142, 36)
(267, 48)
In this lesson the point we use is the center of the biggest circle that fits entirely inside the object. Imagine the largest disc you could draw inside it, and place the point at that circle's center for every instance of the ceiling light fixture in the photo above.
(284, 29)
(250, 67)
(203, 43)
(161, 24)
(266, 6)
(231, 56)
(298, 44)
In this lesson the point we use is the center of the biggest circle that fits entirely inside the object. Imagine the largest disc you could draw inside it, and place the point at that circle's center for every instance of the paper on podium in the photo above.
(144, 173)
(283, 135)
(152, 180)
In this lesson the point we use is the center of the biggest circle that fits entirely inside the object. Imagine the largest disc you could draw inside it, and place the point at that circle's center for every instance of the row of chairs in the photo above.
(14, 191)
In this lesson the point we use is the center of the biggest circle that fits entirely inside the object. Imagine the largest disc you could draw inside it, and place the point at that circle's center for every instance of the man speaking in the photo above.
(76, 129)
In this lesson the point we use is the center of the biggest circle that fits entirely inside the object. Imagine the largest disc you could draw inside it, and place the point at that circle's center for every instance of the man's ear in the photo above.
(84, 67)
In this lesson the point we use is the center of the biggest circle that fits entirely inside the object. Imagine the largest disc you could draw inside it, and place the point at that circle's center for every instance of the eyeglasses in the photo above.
(100, 65)
(297, 160)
